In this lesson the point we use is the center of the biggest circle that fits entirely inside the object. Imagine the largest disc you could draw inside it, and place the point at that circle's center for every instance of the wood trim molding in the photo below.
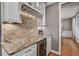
(53, 51)
(59, 28)
(66, 34)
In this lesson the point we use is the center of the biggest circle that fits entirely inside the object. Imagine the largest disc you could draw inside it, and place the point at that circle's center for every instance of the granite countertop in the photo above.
(20, 44)
(16, 37)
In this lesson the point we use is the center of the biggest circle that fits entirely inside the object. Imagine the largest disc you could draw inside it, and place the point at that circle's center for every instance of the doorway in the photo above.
(68, 28)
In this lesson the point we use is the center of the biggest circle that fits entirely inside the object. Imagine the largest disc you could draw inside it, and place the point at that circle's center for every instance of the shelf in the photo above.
(33, 9)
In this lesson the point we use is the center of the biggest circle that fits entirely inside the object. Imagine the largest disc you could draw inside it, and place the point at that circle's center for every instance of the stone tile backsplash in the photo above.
(14, 31)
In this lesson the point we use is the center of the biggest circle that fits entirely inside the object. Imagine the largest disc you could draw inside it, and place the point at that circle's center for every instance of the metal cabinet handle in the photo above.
(28, 50)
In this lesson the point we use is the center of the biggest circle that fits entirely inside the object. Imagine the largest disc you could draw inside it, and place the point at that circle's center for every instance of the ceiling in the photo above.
(49, 3)
(69, 10)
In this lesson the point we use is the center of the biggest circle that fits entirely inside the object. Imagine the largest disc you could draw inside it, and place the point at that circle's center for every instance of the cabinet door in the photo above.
(31, 52)
(11, 11)
(48, 44)
(3, 11)
(41, 47)
(41, 6)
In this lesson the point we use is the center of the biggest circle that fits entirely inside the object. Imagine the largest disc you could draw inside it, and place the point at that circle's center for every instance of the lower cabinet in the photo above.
(32, 52)
(41, 48)
(29, 51)
(48, 45)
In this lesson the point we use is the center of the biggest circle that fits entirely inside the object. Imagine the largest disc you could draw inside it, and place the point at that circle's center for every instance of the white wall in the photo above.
(67, 27)
(77, 29)
(73, 27)
(69, 10)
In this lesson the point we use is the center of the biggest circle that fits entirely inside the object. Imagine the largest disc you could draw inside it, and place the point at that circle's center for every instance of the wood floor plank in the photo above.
(69, 48)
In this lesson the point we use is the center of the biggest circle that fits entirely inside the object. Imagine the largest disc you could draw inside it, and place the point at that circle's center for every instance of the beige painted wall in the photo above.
(67, 24)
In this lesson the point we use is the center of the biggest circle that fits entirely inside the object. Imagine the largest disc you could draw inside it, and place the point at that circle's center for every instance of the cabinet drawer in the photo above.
(31, 52)
(26, 50)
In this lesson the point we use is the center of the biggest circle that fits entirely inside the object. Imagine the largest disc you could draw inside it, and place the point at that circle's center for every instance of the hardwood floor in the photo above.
(52, 54)
(69, 48)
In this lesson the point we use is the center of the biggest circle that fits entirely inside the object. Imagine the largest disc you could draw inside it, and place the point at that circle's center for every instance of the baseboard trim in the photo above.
(67, 34)
(77, 40)
(67, 37)
(53, 51)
